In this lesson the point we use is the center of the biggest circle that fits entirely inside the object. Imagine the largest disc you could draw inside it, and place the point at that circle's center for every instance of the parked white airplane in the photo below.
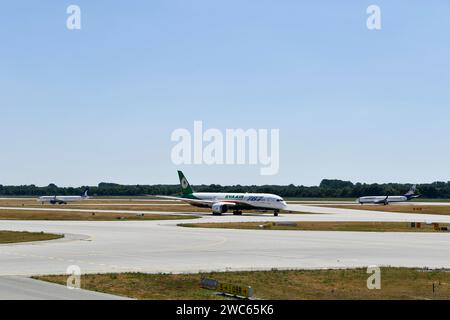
(411, 194)
(222, 202)
(63, 199)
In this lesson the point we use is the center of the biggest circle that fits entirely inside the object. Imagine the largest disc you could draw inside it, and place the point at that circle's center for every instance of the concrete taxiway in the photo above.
(93, 210)
(162, 246)
(21, 288)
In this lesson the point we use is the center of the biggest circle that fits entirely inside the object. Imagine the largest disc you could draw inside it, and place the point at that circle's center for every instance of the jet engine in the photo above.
(219, 208)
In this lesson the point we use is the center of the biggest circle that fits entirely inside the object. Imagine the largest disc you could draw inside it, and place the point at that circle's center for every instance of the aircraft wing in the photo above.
(381, 200)
(209, 203)
(187, 200)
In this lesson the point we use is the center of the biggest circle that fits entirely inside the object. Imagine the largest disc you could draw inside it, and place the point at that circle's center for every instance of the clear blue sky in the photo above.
(99, 104)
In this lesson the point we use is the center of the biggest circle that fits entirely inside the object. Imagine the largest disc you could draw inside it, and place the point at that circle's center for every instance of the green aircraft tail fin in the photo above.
(185, 186)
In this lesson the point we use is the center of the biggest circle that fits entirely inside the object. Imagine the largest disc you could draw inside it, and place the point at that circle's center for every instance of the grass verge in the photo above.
(410, 208)
(106, 205)
(396, 283)
(85, 216)
(15, 236)
(322, 226)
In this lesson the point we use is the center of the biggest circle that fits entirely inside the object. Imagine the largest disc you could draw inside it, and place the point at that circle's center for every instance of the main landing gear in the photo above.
(237, 213)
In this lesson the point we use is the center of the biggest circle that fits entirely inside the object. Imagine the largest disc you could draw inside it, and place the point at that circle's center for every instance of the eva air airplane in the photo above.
(222, 202)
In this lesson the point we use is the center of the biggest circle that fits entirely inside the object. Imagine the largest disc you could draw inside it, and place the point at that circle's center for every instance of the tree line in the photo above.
(327, 189)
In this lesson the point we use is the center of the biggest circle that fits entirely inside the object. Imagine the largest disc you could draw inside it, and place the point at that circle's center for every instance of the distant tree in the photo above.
(335, 184)
(330, 188)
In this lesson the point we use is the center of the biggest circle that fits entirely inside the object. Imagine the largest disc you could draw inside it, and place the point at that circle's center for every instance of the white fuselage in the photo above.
(60, 199)
(382, 199)
(251, 200)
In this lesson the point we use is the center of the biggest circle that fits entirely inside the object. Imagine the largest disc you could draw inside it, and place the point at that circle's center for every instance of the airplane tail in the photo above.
(412, 192)
(85, 193)
(185, 186)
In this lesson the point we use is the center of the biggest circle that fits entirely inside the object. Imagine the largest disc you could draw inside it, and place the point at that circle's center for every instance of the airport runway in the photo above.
(21, 288)
(161, 246)
(62, 209)
(354, 213)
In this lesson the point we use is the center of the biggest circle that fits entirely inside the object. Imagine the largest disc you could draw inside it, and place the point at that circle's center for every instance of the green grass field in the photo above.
(411, 208)
(85, 216)
(15, 237)
(396, 283)
(322, 226)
